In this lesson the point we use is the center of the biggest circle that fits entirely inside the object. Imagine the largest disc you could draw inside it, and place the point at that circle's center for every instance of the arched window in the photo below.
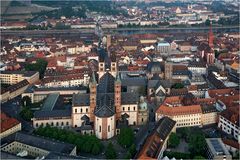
(57, 124)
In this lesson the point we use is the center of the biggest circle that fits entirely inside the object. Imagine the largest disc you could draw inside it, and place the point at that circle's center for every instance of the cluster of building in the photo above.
(109, 84)
(151, 15)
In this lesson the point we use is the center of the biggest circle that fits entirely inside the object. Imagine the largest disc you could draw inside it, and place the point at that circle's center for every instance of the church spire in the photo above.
(118, 78)
(93, 78)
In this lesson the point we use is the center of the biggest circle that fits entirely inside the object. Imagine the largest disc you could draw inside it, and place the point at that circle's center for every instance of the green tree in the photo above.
(26, 113)
(26, 101)
(217, 53)
(96, 149)
(197, 144)
(126, 137)
(39, 66)
(207, 22)
(84, 143)
(198, 157)
(178, 86)
(132, 150)
(173, 140)
(128, 155)
(110, 152)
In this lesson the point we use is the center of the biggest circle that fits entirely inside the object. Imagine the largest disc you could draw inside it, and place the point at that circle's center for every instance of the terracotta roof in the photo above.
(231, 143)
(7, 122)
(232, 114)
(153, 143)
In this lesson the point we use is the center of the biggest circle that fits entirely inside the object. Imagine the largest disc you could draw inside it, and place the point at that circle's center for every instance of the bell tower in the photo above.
(101, 69)
(93, 96)
(117, 96)
(210, 37)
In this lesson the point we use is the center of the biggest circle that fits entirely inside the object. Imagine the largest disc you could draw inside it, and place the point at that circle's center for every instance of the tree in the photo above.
(198, 157)
(84, 143)
(207, 22)
(217, 53)
(126, 137)
(96, 149)
(39, 66)
(173, 140)
(197, 144)
(132, 149)
(128, 156)
(110, 152)
(178, 86)
(26, 101)
(26, 114)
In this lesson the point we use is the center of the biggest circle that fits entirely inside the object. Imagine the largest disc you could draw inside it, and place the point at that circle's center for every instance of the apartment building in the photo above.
(13, 77)
(9, 125)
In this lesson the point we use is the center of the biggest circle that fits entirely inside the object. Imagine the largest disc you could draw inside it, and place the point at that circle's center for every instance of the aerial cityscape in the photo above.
(120, 79)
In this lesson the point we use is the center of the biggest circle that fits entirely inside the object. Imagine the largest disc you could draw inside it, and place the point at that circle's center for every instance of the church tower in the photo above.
(114, 66)
(93, 96)
(117, 96)
(210, 37)
(101, 69)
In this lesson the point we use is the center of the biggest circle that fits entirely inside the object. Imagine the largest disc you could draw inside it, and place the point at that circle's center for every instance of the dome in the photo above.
(154, 67)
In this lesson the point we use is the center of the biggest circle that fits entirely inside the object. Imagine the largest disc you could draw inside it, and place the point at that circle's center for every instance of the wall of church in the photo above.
(132, 111)
(104, 127)
(78, 113)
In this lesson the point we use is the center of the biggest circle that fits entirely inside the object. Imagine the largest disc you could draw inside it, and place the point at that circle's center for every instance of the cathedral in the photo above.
(106, 108)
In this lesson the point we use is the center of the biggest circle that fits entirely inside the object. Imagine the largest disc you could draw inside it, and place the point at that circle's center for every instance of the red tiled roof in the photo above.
(7, 122)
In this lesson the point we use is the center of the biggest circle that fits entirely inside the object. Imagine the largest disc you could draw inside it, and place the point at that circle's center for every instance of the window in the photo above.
(81, 110)
(52, 124)
(128, 108)
(75, 110)
(142, 119)
(75, 126)
(57, 124)
(62, 123)
(134, 108)
(36, 124)
(108, 128)
(100, 128)
(123, 108)
(67, 123)
(86, 109)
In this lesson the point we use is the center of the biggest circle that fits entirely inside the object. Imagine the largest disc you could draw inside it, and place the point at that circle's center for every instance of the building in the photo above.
(13, 90)
(13, 77)
(209, 114)
(21, 143)
(101, 110)
(229, 122)
(38, 94)
(54, 112)
(168, 71)
(156, 143)
(188, 111)
(163, 47)
(216, 150)
(9, 125)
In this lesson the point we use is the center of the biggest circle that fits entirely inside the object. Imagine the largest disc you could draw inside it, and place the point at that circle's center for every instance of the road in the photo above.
(84, 32)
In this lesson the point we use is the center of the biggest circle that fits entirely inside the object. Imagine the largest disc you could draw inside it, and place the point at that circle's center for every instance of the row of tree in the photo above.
(85, 143)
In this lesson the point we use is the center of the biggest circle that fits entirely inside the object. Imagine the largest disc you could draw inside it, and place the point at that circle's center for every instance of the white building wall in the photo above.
(97, 126)
(131, 110)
